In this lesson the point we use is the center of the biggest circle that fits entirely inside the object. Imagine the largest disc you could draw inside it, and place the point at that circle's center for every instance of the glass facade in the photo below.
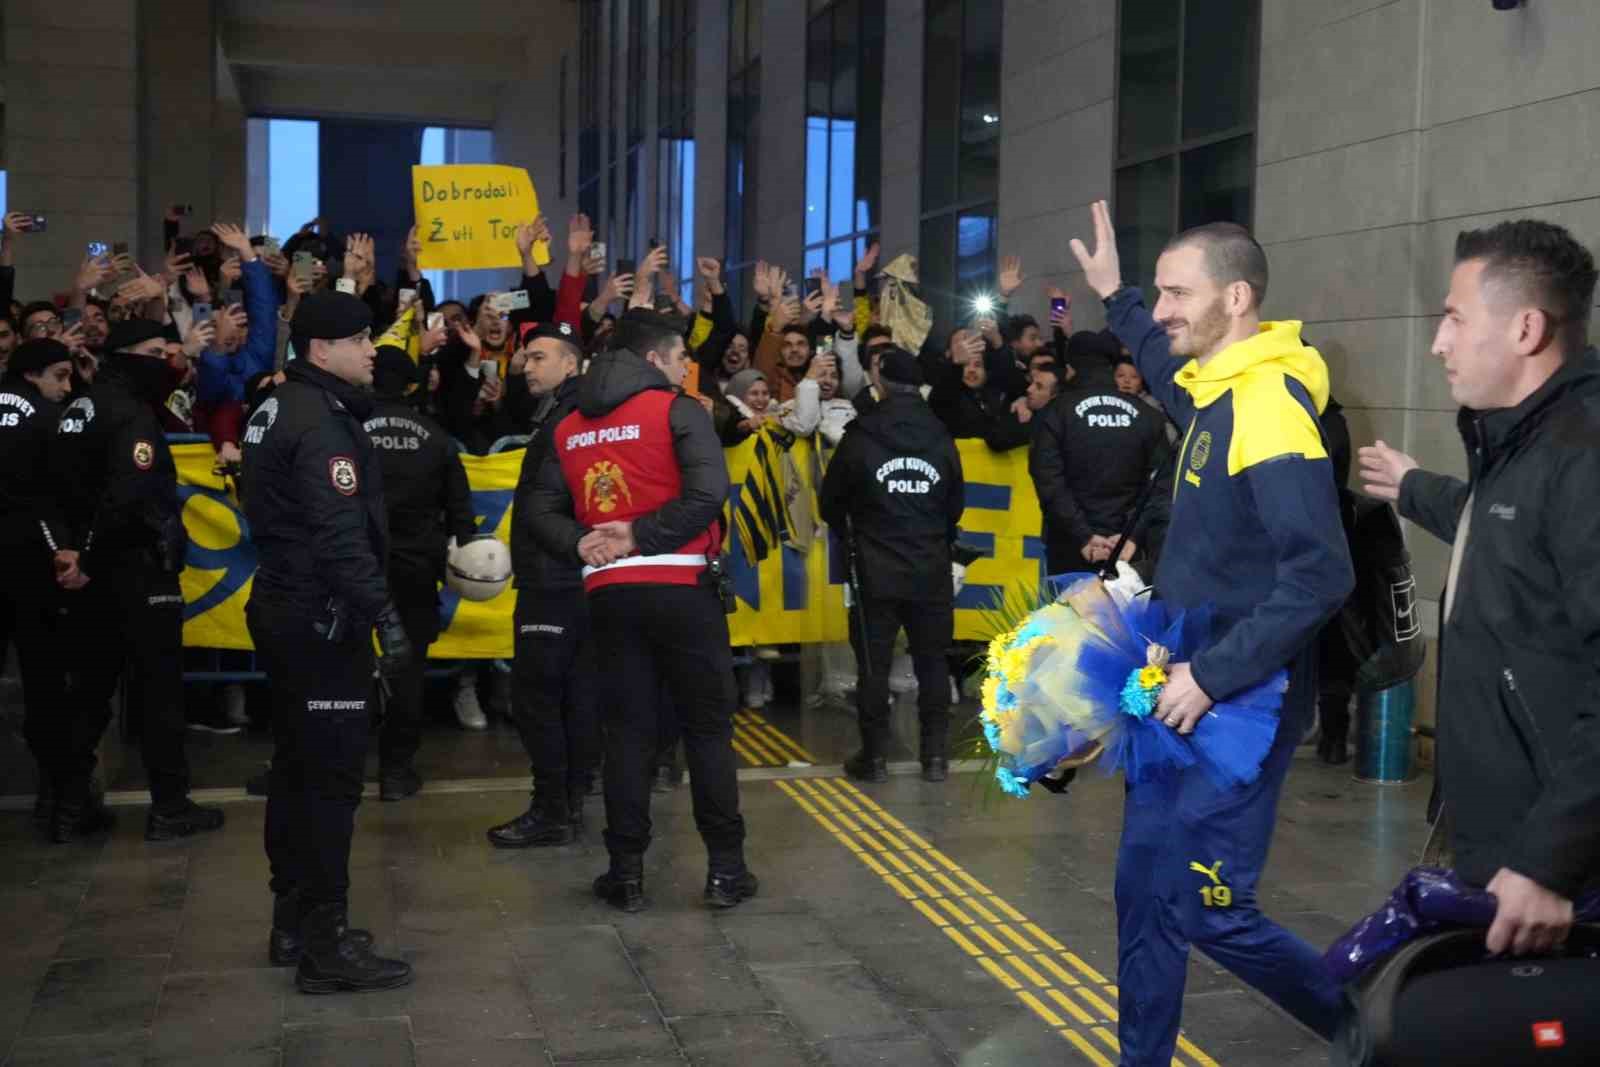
(589, 108)
(844, 121)
(1186, 122)
(960, 153)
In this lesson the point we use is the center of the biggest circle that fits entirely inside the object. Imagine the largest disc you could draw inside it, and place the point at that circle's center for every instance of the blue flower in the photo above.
(1138, 700)
(1010, 782)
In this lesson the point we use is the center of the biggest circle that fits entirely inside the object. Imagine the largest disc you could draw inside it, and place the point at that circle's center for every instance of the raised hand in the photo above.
(1062, 319)
(199, 285)
(654, 263)
(277, 263)
(711, 270)
(359, 263)
(410, 252)
(580, 235)
(470, 338)
(229, 272)
(201, 336)
(177, 263)
(141, 289)
(235, 238)
(869, 259)
(1102, 268)
(1011, 276)
(1383, 469)
(18, 222)
(95, 270)
(617, 287)
(761, 282)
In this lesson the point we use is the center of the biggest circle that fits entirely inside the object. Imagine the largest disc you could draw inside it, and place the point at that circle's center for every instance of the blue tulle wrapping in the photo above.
(1081, 684)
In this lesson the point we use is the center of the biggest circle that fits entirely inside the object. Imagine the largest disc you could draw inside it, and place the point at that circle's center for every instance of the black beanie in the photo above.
(33, 356)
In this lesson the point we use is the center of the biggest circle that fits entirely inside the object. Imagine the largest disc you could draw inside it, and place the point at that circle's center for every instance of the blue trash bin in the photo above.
(1384, 752)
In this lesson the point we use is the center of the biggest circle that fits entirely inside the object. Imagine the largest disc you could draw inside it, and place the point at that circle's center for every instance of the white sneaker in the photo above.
(766, 684)
(757, 686)
(469, 713)
(233, 705)
(902, 677)
(955, 691)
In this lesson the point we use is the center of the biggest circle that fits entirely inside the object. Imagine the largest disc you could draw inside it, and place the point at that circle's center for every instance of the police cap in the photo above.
(898, 365)
(557, 331)
(330, 315)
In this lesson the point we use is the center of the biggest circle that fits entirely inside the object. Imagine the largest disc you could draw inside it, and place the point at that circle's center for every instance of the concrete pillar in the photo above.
(178, 42)
(781, 164)
(711, 128)
(901, 202)
(527, 127)
(71, 131)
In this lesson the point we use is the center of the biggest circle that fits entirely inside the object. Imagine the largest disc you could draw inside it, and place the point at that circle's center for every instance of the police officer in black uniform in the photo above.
(120, 494)
(425, 494)
(313, 490)
(894, 488)
(553, 673)
(37, 381)
(1094, 449)
(633, 488)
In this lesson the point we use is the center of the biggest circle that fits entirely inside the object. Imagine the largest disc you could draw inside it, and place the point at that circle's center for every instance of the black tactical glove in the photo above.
(394, 647)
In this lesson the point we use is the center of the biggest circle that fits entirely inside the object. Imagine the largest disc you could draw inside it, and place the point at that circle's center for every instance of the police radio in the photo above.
(722, 582)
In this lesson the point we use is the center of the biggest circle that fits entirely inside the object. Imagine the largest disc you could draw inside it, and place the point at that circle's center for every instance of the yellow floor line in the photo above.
(1054, 982)
(745, 753)
(1189, 1049)
(1090, 1053)
(1071, 1007)
(759, 747)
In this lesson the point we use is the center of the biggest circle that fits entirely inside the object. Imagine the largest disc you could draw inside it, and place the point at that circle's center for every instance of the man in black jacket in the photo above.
(633, 489)
(426, 499)
(120, 495)
(1093, 451)
(1519, 729)
(314, 500)
(32, 387)
(554, 675)
(894, 489)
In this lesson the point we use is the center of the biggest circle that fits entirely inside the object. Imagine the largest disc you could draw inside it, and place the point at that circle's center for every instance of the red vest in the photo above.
(619, 467)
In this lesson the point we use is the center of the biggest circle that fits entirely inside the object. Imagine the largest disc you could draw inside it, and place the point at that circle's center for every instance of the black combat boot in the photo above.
(397, 783)
(546, 822)
(622, 886)
(79, 813)
(935, 768)
(285, 943)
(866, 767)
(729, 882)
(334, 961)
(182, 821)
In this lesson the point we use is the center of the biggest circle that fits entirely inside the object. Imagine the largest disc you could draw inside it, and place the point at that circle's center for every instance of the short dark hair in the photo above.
(30, 310)
(795, 327)
(641, 330)
(1537, 263)
(875, 331)
(103, 305)
(1231, 255)
(1017, 323)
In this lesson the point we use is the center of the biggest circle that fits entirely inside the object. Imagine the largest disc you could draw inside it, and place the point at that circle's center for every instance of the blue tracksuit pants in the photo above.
(1190, 858)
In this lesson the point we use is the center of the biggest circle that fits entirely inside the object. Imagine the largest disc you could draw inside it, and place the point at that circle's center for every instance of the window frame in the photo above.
(1180, 146)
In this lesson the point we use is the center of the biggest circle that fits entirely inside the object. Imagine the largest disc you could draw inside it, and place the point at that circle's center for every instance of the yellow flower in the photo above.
(991, 694)
(1152, 676)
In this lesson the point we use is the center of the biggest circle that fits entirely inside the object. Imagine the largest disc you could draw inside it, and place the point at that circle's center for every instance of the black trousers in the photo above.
(31, 606)
(554, 698)
(128, 621)
(930, 630)
(321, 719)
(646, 636)
(416, 595)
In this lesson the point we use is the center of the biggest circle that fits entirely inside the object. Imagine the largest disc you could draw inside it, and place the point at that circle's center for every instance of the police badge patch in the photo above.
(144, 454)
(342, 470)
(603, 485)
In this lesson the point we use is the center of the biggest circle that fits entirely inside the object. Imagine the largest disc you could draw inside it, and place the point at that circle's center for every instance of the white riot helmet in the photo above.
(479, 569)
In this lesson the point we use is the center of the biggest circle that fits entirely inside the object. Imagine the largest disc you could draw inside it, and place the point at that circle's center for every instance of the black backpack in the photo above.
(1380, 622)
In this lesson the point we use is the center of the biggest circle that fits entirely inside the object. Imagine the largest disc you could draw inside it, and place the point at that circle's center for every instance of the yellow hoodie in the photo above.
(1266, 422)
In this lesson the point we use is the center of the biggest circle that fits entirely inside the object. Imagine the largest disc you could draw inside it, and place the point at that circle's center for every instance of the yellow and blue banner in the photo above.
(785, 594)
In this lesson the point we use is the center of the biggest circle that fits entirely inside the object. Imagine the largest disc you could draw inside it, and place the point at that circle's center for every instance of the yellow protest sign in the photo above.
(468, 213)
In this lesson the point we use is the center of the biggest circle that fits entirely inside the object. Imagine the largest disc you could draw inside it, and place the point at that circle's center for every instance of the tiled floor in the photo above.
(120, 952)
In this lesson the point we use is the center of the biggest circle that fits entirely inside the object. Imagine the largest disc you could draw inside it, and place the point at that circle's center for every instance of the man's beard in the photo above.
(1203, 334)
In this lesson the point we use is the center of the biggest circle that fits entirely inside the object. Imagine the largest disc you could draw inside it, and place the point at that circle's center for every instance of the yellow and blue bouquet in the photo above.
(1084, 672)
